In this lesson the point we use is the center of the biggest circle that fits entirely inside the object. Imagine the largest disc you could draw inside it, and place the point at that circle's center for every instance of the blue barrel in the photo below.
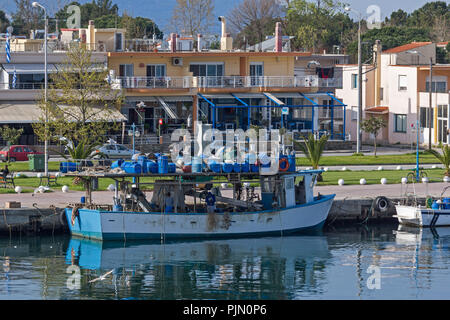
(142, 160)
(83, 200)
(163, 164)
(245, 167)
(152, 167)
(63, 167)
(117, 164)
(117, 208)
(132, 168)
(197, 165)
(292, 165)
(236, 167)
(435, 205)
(227, 167)
(214, 166)
(172, 168)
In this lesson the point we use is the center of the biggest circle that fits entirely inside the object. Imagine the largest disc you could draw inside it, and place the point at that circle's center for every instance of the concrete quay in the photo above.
(44, 212)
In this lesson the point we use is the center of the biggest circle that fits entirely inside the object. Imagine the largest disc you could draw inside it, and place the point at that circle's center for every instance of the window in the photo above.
(17, 149)
(402, 83)
(118, 41)
(437, 86)
(381, 93)
(424, 117)
(442, 111)
(354, 81)
(206, 69)
(126, 70)
(400, 123)
(156, 70)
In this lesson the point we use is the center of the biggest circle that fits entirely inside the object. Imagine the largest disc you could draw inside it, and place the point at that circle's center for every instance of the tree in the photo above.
(80, 104)
(192, 17)
(398, 18)
(313, 149)
(10, 135)
(26, 18)
(443, 158)
(317, 25)
(4, 22)
(254, 20)
(373, 125)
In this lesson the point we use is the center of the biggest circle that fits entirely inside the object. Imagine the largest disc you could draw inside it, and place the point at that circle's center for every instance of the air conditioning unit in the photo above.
(177, 61)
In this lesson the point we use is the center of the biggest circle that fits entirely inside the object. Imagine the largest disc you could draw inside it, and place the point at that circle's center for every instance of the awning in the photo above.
(19, 113)
(273, 98)
(377, 110)
(28, 68)
(31, 113)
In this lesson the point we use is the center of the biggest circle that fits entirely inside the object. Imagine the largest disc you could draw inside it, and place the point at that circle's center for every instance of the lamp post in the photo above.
(35, 5)
(359, 113)
(430, 101)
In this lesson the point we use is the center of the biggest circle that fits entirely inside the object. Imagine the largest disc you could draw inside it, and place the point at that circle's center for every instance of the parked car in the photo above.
(16, 153)
(113, 151)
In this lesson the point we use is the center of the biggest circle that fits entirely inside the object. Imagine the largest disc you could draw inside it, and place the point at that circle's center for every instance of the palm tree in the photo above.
(313, 150)
(443, 158)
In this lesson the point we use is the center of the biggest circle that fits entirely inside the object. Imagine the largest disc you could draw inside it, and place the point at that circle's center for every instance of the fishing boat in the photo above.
(187, 205)
(434, 213)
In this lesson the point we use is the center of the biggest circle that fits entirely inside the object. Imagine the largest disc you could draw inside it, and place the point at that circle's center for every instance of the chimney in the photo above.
(173, 42)
(226, 41)
(377, 63)
(278, 38)
(199, 42)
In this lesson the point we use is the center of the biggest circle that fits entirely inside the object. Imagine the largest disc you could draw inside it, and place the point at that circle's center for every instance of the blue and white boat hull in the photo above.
(101, 225)
(422, 217)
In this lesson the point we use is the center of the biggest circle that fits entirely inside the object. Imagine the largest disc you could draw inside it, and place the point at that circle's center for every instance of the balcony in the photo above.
(233, 82)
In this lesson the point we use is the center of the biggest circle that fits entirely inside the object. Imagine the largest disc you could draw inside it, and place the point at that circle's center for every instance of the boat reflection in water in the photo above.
(263, 268)
(433, 238)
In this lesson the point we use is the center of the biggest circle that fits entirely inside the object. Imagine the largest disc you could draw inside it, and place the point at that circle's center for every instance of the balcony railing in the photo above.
(218, 82)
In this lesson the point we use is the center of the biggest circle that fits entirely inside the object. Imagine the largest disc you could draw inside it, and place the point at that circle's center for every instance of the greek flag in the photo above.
(8, 49)
(14, 79)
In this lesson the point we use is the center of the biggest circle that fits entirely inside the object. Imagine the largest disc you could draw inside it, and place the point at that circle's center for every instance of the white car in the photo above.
(114, 151)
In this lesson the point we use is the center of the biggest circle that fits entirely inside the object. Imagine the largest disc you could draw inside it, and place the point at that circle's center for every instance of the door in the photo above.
(256, 73)
(17, 154)
(442, 123)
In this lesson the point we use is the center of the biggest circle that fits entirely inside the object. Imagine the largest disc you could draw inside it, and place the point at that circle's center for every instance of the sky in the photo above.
(160, 11)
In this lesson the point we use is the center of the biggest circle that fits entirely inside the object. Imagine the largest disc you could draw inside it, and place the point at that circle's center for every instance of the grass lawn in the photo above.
(409, 158)
(23, 166)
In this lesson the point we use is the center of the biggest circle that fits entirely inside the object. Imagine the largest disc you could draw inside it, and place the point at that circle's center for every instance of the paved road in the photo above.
(60, 199)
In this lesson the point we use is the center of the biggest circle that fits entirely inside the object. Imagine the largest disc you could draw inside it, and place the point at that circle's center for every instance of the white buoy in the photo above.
(341, 182)
(39, 175)
(246, 184)
(404, 180)
(18, 189)
(41, 189)
(383, 181)
(399, 168)
(65, 189)
(434, 167)
(344, 168)
(325, 169)
(446, 179)
(362, 181)
(111, 187)
(224, 185)
(58, 174)
(380, 168)
(425, 180)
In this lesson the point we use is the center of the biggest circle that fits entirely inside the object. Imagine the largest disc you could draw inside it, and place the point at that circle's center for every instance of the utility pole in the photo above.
(358, 122)
(430, 109)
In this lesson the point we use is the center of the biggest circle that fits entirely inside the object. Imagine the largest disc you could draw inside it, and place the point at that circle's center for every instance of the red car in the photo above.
(16, 153)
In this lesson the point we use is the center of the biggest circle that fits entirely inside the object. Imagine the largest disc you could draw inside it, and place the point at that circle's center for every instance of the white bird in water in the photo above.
(102, 277)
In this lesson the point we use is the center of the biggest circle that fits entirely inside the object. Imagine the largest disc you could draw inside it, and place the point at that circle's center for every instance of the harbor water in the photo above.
(357, 263)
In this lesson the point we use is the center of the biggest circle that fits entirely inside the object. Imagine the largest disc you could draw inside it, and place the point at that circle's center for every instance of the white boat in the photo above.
(436, 215)
(287, 205)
